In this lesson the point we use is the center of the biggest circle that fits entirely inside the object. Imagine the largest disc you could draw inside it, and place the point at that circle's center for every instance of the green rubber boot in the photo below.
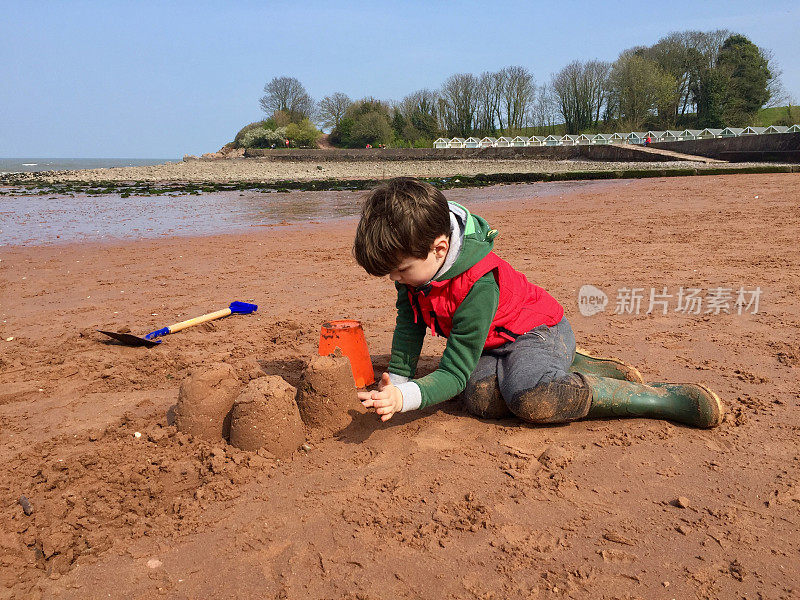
(688, 403)
(586, 364)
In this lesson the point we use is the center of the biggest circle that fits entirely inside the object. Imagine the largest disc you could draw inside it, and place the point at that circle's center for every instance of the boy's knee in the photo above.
(482, 398)
(557, 401)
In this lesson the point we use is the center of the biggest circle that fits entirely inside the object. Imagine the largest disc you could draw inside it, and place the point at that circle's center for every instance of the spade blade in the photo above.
(129, 339)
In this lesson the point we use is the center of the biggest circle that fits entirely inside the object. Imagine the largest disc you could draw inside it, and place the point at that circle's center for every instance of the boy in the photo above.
(509, 349)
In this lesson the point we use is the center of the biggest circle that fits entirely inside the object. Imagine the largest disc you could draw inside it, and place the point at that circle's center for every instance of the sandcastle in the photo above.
(266, 412)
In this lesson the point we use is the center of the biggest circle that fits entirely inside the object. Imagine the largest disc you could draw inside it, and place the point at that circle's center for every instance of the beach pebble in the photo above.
(681, 502)
(154, 563)
(10, 339)
(26, 505)
(137, 435)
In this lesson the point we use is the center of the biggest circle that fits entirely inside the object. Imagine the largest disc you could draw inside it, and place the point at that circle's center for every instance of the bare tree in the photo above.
(545, 108)
(490, 87)
(459, 97)
(581, 88)
(516, 95)
(778, 96)
(598, 72)
(287, 94)
(419, 112)
(422, 101)
(331, 109)
(708, 43)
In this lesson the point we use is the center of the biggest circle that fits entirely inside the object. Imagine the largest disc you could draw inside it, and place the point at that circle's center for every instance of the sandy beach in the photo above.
(465, 508)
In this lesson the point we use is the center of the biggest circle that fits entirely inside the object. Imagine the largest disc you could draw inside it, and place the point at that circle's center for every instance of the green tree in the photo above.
(641, 92)
(371, 128)
(341, 134)
(263, 138)
(302, 134)
(365, 122)
(398, 123)
(710, 98)
(258, 125)
(747, 75)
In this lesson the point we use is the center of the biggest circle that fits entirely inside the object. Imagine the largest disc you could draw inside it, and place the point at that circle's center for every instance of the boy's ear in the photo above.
(441, 245)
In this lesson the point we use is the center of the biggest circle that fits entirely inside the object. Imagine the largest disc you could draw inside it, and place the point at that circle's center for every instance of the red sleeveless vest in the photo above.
(522, 305)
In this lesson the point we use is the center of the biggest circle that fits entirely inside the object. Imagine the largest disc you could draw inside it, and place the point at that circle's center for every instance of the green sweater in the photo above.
(471, 323)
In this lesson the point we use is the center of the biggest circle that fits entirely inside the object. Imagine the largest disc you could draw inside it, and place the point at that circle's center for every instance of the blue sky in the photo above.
(164, 79)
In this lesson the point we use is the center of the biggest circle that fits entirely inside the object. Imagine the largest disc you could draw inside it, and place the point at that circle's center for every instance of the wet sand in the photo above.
(434, 503)
(59, 219)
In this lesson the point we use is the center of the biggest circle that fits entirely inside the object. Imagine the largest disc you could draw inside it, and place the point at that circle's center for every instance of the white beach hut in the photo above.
(536, 140)
(569, 139)
(488, 142)
(520, 140)
(754, 130)
(635, 137)
(670, 135)
(690, 134)
(777, 129)
(731, 132)
(441, 143)
(584, 140)
(601, 139)
(793, 129)
(709, 133)
(552, 140)
(472, 142)
(456, 142)
(617, 138)
(655, 136)
(503, 142)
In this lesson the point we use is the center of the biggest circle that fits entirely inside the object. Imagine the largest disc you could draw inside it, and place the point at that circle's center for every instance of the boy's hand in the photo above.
(386, 401)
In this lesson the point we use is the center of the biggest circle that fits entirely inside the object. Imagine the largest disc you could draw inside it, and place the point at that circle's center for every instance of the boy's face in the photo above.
(419, 271)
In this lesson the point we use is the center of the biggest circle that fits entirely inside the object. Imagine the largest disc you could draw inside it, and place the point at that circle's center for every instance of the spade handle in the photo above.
(198, 320)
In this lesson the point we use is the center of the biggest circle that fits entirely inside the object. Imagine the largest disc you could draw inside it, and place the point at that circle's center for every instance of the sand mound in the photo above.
(205, 401)
(265, 416)
(92, 490)
(327, 394)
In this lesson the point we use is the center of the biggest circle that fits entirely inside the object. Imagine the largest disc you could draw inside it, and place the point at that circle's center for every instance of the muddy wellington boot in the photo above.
(688, 403)
(587, 364)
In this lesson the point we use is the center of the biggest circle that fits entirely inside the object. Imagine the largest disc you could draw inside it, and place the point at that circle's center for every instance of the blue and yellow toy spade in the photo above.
(239, 308)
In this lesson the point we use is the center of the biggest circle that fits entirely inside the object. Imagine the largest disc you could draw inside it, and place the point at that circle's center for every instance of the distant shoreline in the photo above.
(264, 173)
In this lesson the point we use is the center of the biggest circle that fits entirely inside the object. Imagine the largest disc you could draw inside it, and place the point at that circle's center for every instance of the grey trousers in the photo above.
(530, 378)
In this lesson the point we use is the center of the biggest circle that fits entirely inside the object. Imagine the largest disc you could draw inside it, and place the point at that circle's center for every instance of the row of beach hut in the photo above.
(634, 137)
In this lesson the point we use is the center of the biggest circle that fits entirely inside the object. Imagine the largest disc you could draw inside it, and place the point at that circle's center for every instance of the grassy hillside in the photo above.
(778, 115)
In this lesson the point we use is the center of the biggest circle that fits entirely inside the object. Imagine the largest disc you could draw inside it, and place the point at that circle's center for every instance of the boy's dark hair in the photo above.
(399, 218)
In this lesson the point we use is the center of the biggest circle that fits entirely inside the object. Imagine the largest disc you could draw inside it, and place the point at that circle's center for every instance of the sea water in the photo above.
(31, 165)
(56, 219)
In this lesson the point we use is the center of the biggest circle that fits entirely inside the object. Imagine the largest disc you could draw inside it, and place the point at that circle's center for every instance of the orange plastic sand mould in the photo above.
(348, 336)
